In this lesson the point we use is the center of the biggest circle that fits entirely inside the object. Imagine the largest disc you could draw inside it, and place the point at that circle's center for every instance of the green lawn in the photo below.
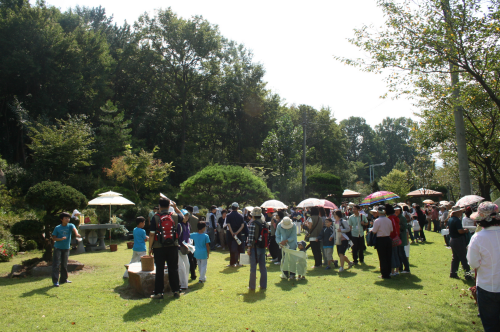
(355, 300)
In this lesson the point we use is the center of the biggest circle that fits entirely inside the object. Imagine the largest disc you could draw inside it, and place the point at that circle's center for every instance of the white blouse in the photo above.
(483, 255)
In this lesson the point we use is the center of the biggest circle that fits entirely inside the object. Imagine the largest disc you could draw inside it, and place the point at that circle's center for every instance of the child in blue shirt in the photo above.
(140, 238)
(62, 239)
(202, 250)
(327, 235)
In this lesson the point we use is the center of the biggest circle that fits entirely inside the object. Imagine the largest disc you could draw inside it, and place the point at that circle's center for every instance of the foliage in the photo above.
(139, 170)
(31, 245)
(8, 248)
(53, 197)
(396, 182)
(62, 150)
(222, 185)
(322, 185)
(281, 150)
(29, 229)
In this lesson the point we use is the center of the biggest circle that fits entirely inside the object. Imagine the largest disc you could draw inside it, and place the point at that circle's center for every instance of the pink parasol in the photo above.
(469, 200)
(377, 197)
(327, 204)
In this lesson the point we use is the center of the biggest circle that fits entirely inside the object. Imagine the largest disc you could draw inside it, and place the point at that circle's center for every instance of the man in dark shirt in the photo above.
(235, 226)
(166, 253)
(193, 223)
(458, 243)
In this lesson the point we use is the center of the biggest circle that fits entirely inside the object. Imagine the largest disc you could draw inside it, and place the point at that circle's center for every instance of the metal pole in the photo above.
(304, 156)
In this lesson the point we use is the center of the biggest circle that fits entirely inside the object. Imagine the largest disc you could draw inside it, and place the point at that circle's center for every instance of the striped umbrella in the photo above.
(377, 197)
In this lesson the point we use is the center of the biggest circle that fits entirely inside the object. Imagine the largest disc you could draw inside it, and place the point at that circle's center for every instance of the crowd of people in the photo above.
(182, 241)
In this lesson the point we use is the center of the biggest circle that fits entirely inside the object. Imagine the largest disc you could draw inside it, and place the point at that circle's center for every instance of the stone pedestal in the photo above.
(143, 282)
(80, 249)
(94, 235)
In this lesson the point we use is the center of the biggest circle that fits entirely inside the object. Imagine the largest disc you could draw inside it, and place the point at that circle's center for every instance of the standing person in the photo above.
(467, 221)
(184, 231)
(151, 215)
(212, 226)
(382, 227)
(164, 245)
(435, 218)
(443, 219)
(62, 240)
(356, 222)
(193, 225)
(390, 213)
(322, 215)
(275, 246)
(422, 220)
(296, 217)
(403, 230)
(484, 256)
(315, 226)
(458, 243)
(220, 229)
(235, 225)
(408, 217)
(327, 236)
(256, 248)
(286, 235)
(140, 238)
(202, 249)
(341, 241)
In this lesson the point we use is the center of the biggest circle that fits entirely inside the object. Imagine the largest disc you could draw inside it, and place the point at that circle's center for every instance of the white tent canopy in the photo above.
(110, 198)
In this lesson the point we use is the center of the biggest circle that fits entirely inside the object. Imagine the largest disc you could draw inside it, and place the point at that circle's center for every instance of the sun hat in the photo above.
(486, 211)
(184, 211)
(256, 212)
(374, 209)
(456, 208)
(302, 243)
(75, 213)
(236, 205)
(269, 210)
(381, 210)
(286, 223)
(196, 210)
(397, 207)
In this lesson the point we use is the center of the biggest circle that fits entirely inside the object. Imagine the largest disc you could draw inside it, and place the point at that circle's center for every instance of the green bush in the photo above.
(31, 245)
(30, 229)
(8, 248)
(324, 184)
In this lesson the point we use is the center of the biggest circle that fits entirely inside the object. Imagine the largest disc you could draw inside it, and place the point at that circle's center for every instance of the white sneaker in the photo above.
(277, 263)
(341, 269)
(274, 260)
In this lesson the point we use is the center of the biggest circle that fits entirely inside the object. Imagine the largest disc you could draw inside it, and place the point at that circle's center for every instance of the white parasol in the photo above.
(274, 204)
(309, 203)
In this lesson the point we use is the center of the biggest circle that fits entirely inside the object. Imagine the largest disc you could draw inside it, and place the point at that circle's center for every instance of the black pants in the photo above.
(437, 226)
(459, 250)
(403, 260)
(316, 250)
(358, 248)
(192, 265)
(60, 258)
(274, 249)
(422, 235)
(234, 251)
(384, 250)
(170, 255)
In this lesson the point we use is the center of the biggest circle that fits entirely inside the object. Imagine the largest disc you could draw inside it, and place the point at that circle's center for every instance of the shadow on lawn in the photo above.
(403, 281)
(288, 285)
(40, 291)
(252, 297)
(127, 292)
(146, 310)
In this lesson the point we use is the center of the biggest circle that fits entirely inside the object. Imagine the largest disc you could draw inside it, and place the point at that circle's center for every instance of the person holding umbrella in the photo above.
(458, 243)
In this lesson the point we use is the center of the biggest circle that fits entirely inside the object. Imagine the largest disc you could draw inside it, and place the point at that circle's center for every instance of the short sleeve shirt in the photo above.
(61, 231)
(200, 244)
(152, 228)
(139, 239)
(454, 224)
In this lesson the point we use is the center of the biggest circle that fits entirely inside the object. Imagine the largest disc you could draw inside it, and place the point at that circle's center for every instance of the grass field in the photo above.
(99, 299)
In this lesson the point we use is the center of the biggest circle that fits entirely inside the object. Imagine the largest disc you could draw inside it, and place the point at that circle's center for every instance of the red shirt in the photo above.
(395, 226)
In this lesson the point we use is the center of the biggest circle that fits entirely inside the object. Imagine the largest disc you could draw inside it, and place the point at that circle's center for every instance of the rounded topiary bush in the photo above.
(31, 245)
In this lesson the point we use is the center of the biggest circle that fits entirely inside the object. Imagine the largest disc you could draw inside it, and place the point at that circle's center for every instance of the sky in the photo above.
(295, 41)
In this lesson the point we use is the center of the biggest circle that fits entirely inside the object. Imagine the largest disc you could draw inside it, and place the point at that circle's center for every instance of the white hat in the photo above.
(236, 205)
(75, 213)
(196, 210)
(286, 223)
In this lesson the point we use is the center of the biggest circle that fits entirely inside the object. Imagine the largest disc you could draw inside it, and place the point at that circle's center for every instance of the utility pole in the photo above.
(304, 123)
(463, 160)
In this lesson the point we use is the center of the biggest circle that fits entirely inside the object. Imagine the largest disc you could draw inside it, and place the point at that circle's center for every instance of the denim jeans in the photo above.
(258, 255)
(60, 258)
(416, 234)
(489, 309)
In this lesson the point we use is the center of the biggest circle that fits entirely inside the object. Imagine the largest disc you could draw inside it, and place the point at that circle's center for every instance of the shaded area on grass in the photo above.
(403, 281)
(254, 296)
(147, 310)
(39, 291)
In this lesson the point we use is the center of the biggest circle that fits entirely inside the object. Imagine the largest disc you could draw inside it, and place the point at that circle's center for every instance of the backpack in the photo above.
(263, 240)
(166, 234)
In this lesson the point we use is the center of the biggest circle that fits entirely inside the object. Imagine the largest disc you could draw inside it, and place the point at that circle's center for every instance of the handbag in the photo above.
(184, 249)
(308, 235)
(396, 241)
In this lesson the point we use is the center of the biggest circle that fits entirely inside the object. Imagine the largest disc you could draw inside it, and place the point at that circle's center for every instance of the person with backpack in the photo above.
(258, 237)
(163, 243)
(286, 236)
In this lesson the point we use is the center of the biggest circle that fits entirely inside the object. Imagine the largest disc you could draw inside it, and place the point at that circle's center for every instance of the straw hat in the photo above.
(456, 208)
(286, 223)
(256, 212)
(486, 211)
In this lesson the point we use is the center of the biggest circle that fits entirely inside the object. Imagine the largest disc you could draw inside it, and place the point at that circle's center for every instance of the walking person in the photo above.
(235, 226)
(484, 256)
(382, 227)
(62, 241)
(163, 243)
(422, 221)
(395, 234)
(443, 222)
(341, 239)
(356, 222)
(435, 219)
(258, 236)
(458, 243)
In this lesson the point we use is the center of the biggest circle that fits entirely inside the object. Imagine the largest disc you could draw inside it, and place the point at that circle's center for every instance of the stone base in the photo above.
(143, 282)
